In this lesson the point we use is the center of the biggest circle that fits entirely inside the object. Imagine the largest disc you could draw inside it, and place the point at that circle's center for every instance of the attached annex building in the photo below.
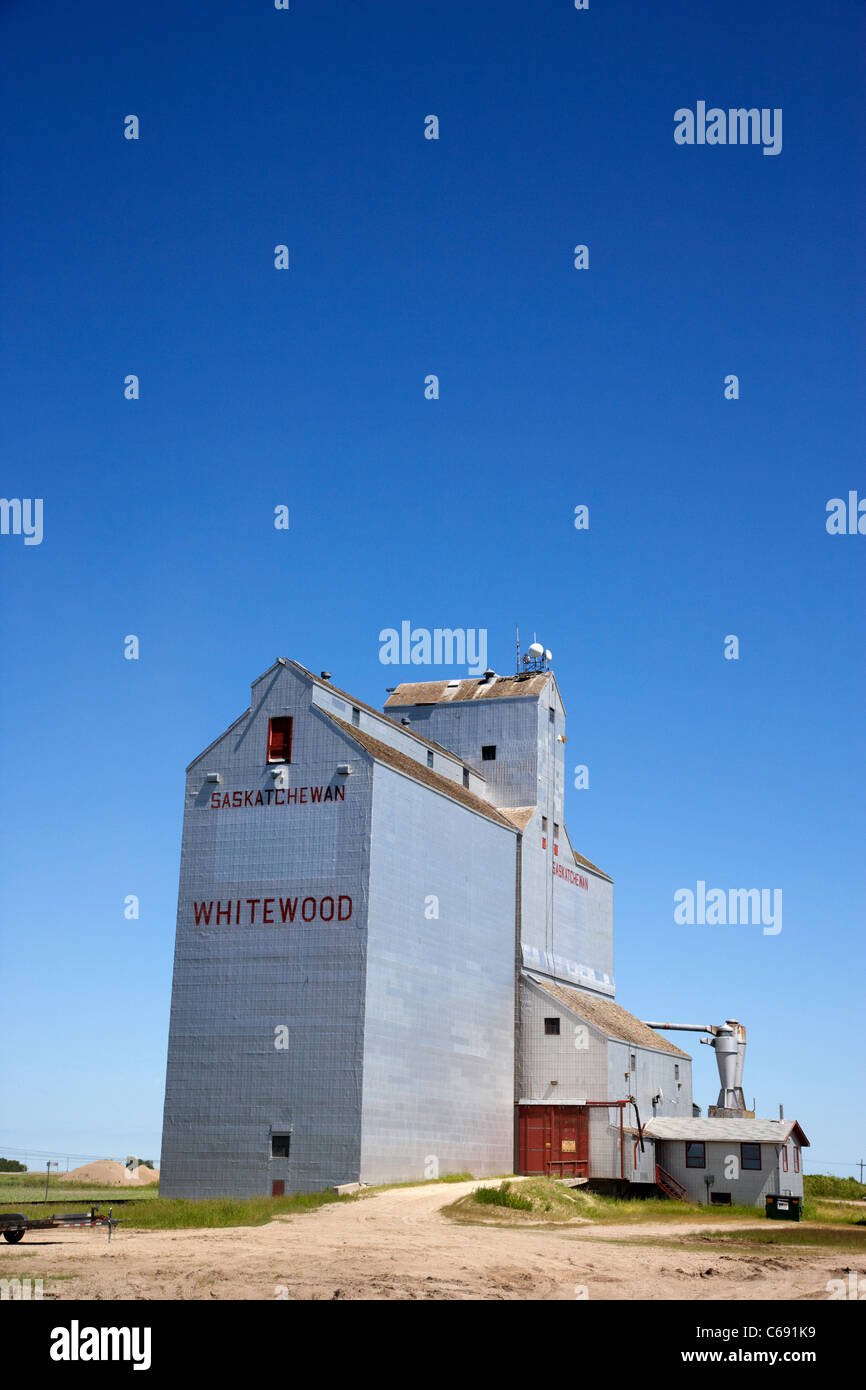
(390, 962)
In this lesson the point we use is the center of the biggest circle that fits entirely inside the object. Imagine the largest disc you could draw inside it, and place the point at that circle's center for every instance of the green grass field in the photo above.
(142, 1208)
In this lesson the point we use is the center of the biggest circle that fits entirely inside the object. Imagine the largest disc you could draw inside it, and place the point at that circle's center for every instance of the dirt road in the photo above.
(397, 1245)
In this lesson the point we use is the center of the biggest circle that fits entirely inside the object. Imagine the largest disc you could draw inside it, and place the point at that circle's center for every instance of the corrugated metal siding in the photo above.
(750, 1188)
(227, 1086)
(466, 727)
(439, 1037)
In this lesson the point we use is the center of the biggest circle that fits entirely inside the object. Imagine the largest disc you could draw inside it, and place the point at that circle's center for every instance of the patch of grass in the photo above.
(835, 1214)
(26, 1187)
(150, 1212)
(787, 1235)
(640, 1210)
(177, 1213)
(502, 1196)
(535, 1201)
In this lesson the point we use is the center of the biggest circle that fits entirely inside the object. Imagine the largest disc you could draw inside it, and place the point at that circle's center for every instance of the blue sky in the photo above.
(557, 387)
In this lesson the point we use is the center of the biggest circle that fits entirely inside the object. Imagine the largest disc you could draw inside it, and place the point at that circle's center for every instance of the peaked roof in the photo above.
(401, 762)
(445, 692)
(610, 1018)
(361, 704)
(725, 1131)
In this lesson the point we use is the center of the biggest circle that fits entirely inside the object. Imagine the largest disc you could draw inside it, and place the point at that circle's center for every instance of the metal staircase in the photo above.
(669, 1185)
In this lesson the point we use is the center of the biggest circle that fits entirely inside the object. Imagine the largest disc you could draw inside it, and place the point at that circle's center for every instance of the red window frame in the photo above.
(280, 738)
(785, 1159)
(796, 1158)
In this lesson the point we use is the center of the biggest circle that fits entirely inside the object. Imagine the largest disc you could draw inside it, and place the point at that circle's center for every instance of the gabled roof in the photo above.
(445, 692)
(519, 815)
(726, 1131)
(401, 762)
(404, 728)
(609, 1018)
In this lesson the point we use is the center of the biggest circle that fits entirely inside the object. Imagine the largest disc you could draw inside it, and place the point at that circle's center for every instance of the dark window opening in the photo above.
(633, 1062)
(676, 1072)
(544, 825)
(720, 1199)
(696, 1154)
(551, 1026)
(466, 776)
(555, 831)
(750, 1156)
(552, 714)
(280, 739)
(429, 758)
(488, 752)
(280, 1145)
(356, 715)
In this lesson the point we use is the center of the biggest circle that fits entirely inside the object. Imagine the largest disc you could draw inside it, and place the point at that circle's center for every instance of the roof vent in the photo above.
(325, 675)
(488, 675)
(405, 719)
(453, 684)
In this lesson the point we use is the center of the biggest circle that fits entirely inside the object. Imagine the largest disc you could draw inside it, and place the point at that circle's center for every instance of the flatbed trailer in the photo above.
(13, 1224)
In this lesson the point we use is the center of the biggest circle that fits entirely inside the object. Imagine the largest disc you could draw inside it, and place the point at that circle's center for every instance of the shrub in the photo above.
(502, 1196)
(825, 1185)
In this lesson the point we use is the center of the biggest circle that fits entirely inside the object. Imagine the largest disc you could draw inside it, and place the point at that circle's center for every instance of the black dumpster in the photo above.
(784, 1208)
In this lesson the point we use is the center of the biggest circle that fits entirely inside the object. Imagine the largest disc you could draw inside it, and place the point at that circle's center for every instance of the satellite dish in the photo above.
(548, 656)
(536, 650)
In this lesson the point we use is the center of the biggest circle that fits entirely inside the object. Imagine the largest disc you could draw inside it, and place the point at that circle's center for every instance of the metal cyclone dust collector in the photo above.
(729, 1041)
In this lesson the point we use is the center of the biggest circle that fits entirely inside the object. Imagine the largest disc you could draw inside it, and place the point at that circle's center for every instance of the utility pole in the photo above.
(47, 1174)
(862, 1163)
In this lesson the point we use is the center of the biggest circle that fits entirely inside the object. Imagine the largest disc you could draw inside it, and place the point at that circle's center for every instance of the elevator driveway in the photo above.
(397, 1245)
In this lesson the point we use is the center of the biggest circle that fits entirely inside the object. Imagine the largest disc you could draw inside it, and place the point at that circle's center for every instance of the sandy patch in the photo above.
(109, 1173)
(397, 1245)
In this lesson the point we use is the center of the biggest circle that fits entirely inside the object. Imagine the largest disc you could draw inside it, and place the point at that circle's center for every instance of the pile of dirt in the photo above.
(109, 1173)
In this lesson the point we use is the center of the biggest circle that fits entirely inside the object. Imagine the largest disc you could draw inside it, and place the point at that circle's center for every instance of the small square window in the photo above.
(551, 1027)
(750, 1157)
(696, 1154)
(280, 739)
(720, 1199)
(429, 757)
(488, 752)
(280, 1145)
(356, 716)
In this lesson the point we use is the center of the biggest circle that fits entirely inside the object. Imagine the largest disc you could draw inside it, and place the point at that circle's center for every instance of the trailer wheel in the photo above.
(14, 1236)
